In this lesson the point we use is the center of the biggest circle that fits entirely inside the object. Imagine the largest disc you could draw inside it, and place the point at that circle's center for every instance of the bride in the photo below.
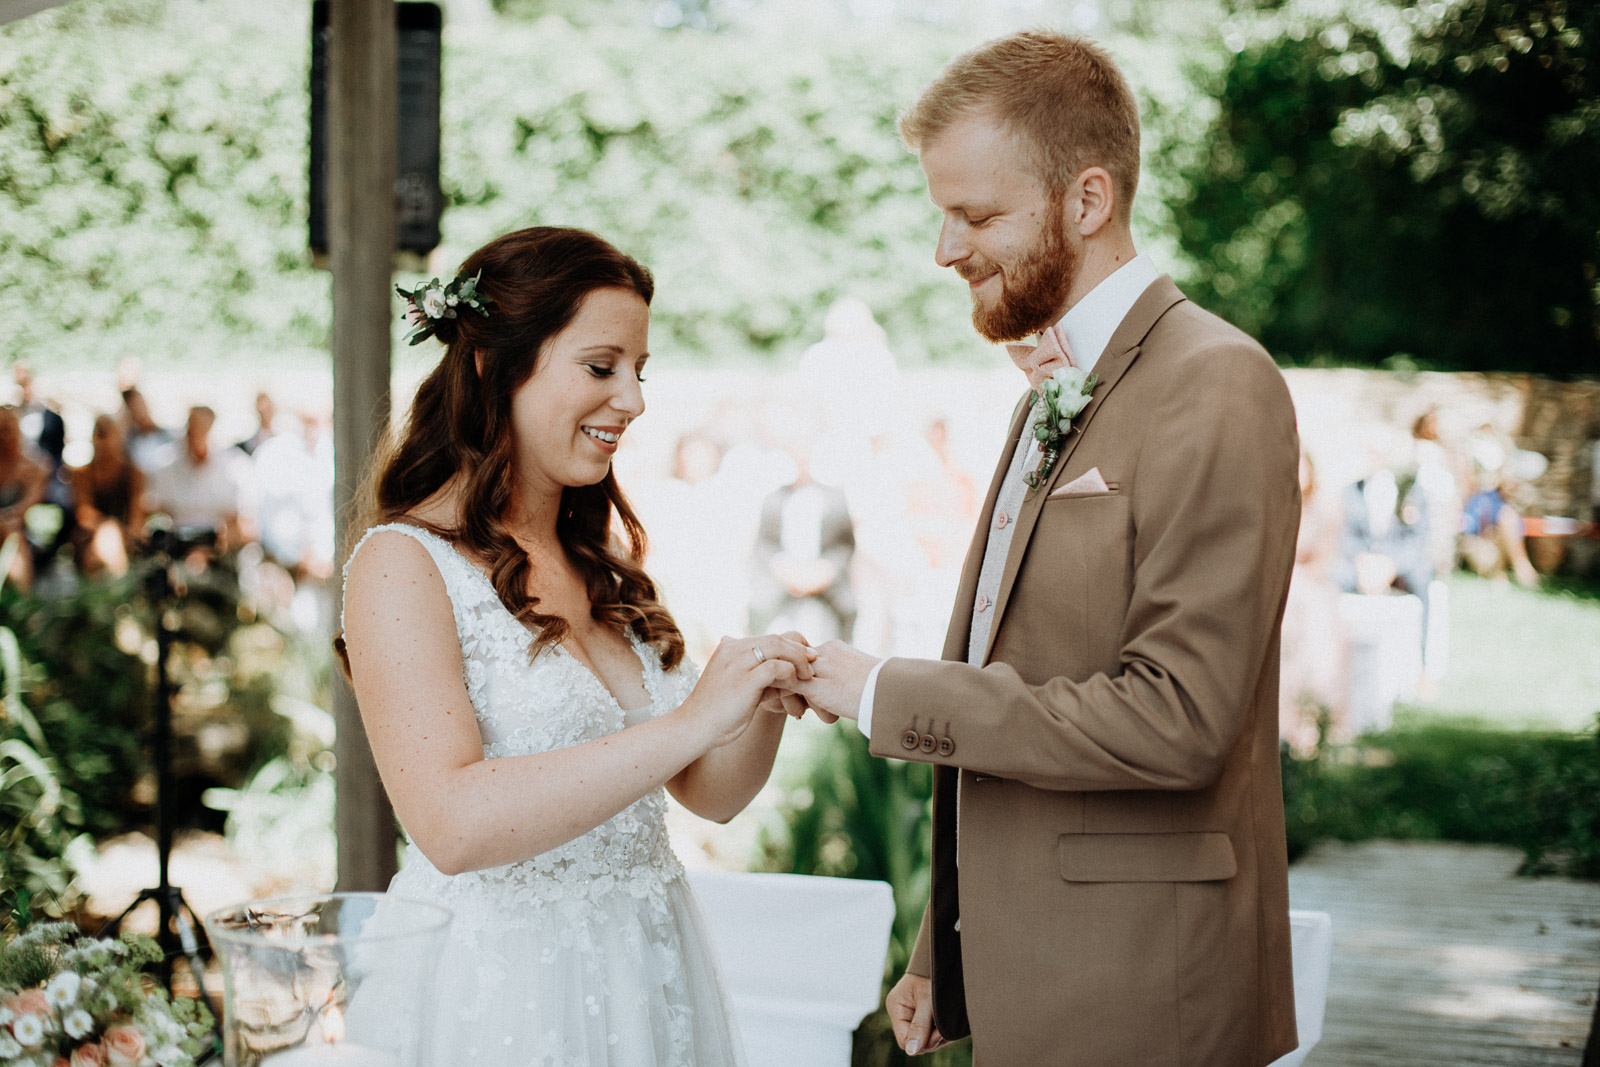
(525, 694)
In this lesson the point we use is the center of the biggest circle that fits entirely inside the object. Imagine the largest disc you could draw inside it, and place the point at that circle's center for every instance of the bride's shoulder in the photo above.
(394, 550)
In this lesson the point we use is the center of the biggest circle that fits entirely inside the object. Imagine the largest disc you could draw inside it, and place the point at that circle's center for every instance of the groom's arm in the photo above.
(1214, 509)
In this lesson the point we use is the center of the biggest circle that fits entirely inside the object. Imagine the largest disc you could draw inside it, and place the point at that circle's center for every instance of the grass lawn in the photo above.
(1521, 657)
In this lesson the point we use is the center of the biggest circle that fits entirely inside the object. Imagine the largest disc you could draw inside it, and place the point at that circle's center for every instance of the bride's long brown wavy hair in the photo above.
(460, 425)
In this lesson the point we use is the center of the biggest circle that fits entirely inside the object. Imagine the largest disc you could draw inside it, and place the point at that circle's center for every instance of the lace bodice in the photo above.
(524, 707)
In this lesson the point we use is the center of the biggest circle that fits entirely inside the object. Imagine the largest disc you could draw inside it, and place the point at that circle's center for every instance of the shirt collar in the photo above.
(1089, 324)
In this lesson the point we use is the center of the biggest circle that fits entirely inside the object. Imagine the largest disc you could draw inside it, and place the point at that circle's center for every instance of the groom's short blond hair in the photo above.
(1062, 96)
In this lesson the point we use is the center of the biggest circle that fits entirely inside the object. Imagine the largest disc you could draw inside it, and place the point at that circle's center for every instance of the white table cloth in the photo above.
(803, 959)
(1311, 943)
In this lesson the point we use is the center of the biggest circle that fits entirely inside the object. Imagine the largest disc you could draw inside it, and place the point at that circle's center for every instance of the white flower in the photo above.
(6, 1015)
(170, 1056)
(29, 1030)
(433, 304)
(79, 1024)
(452, 300)
(63, 988)
(9, 1049)
(1069, 405)
(1070, 378)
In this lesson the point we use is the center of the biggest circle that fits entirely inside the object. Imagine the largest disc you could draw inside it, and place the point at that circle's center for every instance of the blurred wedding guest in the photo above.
(109, 491)
(41, 424)
(294, 497)
(201, 487)
(22, 485)
(697, 554)
(266, 411)
(852, 371)
(942, 506)
(1493, 538)
(46, 433)
(293, 484)
(1383, 539)
(150, 445)
(1492, 531)
(1439, 489)
(1383, 533)
(800, 573)
(1312, 675)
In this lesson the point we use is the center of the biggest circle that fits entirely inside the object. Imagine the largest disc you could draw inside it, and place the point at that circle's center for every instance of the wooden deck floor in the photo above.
(1442, 957)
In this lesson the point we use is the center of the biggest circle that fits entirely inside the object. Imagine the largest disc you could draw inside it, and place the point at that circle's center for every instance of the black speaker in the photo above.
(418, 200)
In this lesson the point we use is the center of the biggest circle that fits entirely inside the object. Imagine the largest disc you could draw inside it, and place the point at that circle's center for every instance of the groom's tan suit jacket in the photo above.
(1108, 815)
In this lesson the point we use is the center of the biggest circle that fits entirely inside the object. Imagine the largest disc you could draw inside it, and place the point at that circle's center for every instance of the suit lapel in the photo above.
(1118, 356)
(955, 642)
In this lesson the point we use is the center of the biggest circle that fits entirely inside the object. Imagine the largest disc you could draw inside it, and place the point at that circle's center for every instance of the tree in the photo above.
(1390, 179)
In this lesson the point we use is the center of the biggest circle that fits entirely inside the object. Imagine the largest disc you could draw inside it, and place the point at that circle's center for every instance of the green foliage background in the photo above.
(1388, 178)
(153, 189)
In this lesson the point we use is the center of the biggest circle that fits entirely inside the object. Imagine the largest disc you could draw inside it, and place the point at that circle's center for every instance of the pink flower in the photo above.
(124, 1046)
(62, 1061)
(29, 1002)
(89, 1056)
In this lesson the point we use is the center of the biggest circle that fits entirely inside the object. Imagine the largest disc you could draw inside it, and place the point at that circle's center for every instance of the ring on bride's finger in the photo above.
(761, 657)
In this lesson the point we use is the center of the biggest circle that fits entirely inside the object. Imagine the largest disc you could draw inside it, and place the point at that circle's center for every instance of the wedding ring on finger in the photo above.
(761, 657)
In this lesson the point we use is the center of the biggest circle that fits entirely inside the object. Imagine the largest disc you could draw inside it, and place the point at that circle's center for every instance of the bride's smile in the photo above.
(570, 414)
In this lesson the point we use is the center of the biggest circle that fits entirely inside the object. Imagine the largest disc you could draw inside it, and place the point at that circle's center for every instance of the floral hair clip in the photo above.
(433, 302)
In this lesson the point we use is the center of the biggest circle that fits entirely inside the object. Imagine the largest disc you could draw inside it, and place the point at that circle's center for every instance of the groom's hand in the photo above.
(910, 1006)
(839, 675)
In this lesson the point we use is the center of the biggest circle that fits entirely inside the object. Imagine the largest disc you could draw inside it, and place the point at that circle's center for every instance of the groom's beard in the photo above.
(1033, 289)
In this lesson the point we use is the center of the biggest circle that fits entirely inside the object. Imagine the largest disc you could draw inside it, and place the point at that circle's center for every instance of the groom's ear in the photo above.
(1096, 202)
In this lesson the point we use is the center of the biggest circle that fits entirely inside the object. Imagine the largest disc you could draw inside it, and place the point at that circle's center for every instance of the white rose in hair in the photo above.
(433, 304)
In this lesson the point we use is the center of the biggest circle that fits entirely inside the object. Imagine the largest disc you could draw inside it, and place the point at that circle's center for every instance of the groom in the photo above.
(1109, 877)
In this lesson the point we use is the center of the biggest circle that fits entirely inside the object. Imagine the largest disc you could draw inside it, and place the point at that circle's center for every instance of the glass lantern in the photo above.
(342, 980)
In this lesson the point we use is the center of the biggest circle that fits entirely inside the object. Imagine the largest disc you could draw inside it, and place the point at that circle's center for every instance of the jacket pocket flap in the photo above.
(1178, 857)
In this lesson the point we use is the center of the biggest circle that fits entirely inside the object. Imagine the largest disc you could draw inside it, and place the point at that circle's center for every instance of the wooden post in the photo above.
(361, 240)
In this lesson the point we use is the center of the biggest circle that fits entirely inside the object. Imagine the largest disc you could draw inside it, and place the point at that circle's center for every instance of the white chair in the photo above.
(1311, 944)
(803, 959)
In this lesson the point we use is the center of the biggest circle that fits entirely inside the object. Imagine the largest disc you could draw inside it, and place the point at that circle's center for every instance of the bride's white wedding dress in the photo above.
(593, 953)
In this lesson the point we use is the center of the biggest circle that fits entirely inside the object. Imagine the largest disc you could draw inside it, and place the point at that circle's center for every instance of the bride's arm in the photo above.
(465, 812)
(719, 784)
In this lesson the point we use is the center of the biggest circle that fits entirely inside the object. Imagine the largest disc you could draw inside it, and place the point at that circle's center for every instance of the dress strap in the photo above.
(463, 583)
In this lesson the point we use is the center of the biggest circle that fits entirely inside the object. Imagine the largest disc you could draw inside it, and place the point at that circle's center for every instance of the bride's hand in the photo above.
(776, 701)
(737, 676)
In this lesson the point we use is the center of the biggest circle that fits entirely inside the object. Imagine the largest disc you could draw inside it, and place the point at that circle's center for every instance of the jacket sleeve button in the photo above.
(928, 742)
(909, 739)
(947, 747)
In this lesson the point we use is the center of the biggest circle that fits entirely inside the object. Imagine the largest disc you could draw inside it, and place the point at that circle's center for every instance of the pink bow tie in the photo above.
(1037, 361)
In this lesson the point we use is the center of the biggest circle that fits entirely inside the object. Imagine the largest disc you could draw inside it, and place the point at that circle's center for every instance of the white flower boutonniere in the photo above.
(1060, 400)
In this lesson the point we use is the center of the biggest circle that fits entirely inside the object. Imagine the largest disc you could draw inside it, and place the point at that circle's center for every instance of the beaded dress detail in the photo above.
(594, 953)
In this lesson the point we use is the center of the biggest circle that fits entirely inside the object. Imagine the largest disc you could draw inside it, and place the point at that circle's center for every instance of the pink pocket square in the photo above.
(1087, 482)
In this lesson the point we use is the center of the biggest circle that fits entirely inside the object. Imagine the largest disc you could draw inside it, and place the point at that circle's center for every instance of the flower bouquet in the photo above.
(71, 1001)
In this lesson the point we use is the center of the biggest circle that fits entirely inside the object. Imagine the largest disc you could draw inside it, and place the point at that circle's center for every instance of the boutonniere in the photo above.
(1059, 399)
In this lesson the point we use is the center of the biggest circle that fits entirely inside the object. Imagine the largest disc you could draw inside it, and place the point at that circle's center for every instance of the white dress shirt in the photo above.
(1087, 327)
